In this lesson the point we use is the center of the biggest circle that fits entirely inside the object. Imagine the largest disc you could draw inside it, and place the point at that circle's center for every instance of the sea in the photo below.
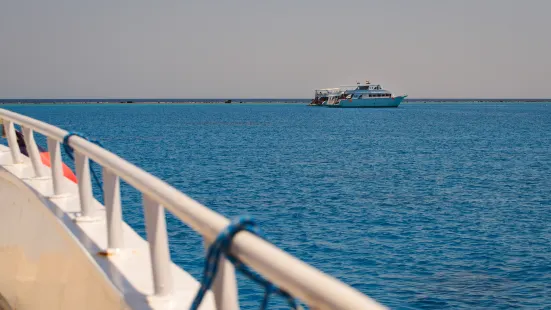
(428, 206)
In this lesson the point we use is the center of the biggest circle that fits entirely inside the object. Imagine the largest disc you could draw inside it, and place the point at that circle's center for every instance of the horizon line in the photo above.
(268, 98)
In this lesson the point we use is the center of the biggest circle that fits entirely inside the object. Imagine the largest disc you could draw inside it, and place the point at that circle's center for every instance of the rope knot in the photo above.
(222, 245)
(69, 149)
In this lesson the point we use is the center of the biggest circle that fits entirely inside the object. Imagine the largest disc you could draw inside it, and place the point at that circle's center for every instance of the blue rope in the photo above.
(70, 152)
(221, 246)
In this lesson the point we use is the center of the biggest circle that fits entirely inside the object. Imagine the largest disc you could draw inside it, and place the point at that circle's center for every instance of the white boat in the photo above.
(365, 95)
(62, 249)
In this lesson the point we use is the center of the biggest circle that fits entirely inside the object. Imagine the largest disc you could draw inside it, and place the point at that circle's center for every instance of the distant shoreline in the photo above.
(478, 100)
(148, 101)
(240, 101)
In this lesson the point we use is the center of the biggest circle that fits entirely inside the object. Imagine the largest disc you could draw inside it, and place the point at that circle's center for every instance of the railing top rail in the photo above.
(317, 289)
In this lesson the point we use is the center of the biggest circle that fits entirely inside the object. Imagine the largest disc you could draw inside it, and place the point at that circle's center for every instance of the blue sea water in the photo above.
(428, 206)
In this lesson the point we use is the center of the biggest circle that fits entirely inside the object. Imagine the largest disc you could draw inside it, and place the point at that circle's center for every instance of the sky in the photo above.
(273, 49)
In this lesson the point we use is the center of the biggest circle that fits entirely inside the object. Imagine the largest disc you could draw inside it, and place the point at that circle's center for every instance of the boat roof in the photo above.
(349, 87)
(344, 88)
(334, 88)
(359, 85)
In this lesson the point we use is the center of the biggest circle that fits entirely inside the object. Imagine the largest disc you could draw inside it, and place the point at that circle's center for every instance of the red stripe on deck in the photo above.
(67, 172)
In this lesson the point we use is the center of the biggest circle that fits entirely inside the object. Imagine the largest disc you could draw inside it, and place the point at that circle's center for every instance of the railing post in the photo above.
(224, 286)
(12, 142)
(155, 226)
(112, 194)
(82, 165)
(33, 152)
(56, 166)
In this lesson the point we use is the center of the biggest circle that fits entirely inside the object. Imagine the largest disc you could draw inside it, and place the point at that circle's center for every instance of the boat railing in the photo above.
(314, 288)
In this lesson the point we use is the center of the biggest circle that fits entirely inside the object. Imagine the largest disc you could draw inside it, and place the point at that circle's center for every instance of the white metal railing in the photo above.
(310, 285)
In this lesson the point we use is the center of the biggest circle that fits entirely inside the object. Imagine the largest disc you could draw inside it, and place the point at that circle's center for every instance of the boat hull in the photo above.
(368, 103)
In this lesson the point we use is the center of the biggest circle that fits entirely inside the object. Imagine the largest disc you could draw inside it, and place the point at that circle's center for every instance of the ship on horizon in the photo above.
(365, 95)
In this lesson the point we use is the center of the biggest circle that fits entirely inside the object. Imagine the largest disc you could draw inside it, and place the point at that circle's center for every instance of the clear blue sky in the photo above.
(275, 49)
